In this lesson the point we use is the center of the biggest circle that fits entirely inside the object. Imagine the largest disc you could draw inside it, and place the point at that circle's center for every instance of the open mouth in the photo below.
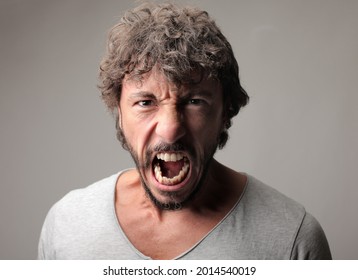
(171, 168)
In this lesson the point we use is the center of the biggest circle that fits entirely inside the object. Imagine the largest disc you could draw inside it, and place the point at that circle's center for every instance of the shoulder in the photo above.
(72, 215)
(95, 193)
(270, 201)
(85, 202)
(268, 220)
(311, 242)
(284, 222)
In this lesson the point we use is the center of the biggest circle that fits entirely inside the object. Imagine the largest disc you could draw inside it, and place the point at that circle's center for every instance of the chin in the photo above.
(173, 196)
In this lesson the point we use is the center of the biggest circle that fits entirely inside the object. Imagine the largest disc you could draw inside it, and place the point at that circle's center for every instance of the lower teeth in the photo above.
(171, 181)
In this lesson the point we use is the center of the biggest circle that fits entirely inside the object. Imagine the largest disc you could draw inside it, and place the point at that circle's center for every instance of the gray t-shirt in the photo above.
(264, 224)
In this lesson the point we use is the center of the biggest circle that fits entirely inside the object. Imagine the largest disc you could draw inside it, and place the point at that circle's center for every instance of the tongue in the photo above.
(171, 169)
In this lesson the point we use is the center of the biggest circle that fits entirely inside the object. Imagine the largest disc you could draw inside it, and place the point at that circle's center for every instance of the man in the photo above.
(172, 81)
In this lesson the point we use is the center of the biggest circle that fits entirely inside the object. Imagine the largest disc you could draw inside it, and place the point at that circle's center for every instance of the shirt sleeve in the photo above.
(311, 242)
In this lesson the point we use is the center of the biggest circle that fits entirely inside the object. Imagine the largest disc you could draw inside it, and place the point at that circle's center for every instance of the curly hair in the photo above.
(178, 41)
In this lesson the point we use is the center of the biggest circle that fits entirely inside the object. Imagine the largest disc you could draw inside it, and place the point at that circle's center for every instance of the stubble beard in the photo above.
(173, 202)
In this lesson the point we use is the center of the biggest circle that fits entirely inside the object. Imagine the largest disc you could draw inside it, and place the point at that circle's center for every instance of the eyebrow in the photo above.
(203, 93)
(141, 94)
(150, 95)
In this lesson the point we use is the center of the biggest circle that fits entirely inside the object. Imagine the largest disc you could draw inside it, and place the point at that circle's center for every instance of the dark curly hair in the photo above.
(179, 42)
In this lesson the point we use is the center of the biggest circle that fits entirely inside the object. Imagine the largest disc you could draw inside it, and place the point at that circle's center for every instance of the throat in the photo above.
(171, 172)
(171, 169)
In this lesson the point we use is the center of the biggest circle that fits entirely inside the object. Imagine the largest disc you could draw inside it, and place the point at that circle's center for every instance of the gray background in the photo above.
(298, 62)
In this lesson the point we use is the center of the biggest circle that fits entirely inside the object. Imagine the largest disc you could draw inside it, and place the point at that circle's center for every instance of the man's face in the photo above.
(172, 134)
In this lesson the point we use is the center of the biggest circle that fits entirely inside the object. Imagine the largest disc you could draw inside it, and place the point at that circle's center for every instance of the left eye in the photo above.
(194, 101)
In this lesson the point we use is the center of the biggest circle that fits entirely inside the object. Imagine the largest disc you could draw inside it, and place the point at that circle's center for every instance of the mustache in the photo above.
(159, 147)
(174, 147)
(165, 147)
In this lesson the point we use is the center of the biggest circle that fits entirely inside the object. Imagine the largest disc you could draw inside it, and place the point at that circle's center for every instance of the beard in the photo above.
(174, 200)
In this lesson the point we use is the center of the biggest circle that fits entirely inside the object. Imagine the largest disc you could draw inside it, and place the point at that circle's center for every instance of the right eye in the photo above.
(145, 103)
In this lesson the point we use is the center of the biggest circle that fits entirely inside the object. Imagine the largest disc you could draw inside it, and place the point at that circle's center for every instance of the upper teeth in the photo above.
(170, 157)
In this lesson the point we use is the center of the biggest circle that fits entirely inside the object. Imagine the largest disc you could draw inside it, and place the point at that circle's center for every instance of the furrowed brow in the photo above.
(141, 94)
(200, 93)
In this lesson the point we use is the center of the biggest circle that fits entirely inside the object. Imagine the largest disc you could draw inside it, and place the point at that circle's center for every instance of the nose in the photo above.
(170, 125)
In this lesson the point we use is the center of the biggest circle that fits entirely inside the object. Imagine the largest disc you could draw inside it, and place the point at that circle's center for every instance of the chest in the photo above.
(166, 239)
